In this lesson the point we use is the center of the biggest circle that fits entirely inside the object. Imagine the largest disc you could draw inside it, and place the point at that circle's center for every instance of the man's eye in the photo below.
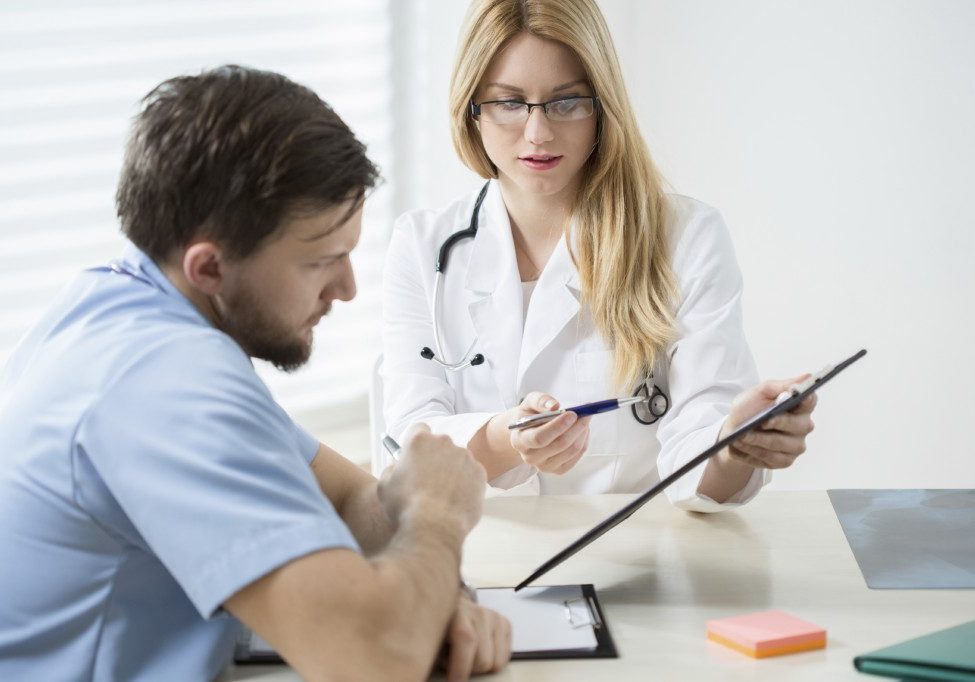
(319, 264)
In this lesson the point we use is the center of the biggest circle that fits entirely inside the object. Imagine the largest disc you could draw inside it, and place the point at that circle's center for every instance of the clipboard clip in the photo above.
(796, 389)
(587, 615)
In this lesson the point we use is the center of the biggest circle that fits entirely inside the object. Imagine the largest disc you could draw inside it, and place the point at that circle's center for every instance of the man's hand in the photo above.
(436, 478)
(478, 641)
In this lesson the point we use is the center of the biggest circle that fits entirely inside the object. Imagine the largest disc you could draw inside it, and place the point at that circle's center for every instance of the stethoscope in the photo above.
(470, 359)
(645, 412)
(656, 404)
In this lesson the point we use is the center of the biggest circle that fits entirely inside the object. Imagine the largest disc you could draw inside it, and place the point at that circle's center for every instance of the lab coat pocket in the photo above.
(593, 371)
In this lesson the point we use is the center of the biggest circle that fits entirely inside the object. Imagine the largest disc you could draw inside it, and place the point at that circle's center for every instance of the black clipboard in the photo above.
(605, 647)
(581, 610)
(251, 649)
(618, 517)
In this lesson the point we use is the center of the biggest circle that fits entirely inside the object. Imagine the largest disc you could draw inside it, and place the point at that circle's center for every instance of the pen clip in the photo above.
(534, 419)
(392, 447)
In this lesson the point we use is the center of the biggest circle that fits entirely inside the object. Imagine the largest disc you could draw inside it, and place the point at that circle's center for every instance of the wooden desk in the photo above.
(663, 573)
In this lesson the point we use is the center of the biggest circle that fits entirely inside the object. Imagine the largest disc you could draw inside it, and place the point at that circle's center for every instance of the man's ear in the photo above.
(204, 267)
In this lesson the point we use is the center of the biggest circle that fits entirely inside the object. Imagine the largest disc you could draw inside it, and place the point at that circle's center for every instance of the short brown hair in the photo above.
(227, 155)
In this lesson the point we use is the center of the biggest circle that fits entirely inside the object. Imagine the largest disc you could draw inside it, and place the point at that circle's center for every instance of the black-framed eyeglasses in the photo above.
(515, 111)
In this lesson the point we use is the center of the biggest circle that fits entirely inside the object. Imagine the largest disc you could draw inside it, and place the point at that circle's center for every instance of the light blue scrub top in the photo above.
(146, 475)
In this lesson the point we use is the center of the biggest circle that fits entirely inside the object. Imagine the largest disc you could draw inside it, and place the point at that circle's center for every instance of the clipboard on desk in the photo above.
(556, 621)
(251, 649)
(559, 621)
(795, 396)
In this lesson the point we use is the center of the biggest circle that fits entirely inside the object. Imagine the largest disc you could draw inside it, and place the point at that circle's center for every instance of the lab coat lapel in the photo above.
(495, 295)
(554, 303)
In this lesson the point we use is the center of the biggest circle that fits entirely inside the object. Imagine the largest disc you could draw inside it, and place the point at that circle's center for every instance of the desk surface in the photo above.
(663, 573)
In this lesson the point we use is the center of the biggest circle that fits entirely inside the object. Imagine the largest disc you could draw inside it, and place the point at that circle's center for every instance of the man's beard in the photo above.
(259, 333)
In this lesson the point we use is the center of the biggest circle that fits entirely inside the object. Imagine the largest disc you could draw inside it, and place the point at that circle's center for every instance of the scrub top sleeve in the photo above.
(209, 472)
(710, 363)
(307, 444)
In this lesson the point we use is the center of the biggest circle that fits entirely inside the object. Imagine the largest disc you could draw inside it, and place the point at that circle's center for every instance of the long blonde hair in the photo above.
(621, 210)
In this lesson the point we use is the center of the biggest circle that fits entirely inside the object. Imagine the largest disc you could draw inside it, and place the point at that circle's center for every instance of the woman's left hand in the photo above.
(777, 443)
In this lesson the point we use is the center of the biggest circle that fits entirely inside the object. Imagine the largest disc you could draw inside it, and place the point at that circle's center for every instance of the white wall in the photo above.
(838, 140)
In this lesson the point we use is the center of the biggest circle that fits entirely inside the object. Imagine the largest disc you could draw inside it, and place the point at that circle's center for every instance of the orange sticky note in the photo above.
(766, 633)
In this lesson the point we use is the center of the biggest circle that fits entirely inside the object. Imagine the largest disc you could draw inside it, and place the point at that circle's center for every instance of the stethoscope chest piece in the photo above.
(656, 404)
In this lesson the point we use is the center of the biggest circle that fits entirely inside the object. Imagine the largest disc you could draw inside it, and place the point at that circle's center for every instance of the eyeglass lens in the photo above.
(559, 110)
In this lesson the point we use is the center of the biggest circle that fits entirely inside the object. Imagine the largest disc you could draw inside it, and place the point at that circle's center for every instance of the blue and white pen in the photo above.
(580, 410)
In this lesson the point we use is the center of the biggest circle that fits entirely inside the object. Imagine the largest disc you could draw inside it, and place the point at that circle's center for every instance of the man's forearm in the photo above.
(352, 492)
(366, 518)
(422, 565)
(335, 615)
(383, 616)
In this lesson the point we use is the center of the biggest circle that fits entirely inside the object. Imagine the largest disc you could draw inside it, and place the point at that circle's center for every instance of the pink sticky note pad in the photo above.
(766, 633)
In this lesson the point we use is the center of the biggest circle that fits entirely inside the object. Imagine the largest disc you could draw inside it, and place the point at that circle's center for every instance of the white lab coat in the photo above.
(558, 350)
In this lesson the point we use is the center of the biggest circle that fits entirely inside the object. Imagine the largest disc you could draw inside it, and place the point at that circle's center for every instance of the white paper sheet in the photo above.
(540, 619)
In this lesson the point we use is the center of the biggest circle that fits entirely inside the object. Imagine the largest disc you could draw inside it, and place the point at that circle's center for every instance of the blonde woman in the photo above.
(582, 281)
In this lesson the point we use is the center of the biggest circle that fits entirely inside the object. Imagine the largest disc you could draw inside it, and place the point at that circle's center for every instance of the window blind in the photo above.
(72, 75)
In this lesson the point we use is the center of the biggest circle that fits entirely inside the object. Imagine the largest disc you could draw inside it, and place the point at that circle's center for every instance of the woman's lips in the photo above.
(540, 162)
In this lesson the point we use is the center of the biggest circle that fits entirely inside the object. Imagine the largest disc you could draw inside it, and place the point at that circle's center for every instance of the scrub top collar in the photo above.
(140, 266)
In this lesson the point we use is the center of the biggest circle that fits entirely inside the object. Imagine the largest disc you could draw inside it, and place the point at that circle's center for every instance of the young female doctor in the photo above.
(572, 277)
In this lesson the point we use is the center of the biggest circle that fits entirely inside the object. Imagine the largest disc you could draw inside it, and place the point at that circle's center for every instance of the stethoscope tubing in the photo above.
(468, 356)
(469, 359)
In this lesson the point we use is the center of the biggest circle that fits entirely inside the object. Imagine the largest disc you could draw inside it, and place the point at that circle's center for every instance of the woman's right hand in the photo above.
(553, 447)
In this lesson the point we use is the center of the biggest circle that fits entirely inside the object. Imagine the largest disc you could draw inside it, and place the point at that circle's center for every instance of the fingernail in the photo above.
(549, 404)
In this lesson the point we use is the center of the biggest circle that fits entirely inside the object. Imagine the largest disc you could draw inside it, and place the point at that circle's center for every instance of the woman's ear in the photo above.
(203, 267)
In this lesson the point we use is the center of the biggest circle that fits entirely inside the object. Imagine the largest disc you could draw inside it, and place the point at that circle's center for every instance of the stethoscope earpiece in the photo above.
(427, 354)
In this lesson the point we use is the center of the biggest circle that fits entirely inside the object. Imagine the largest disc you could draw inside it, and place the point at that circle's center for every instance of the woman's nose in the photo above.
(538, 129)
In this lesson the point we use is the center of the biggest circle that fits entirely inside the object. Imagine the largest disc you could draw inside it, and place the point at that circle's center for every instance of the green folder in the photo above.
(945, 655)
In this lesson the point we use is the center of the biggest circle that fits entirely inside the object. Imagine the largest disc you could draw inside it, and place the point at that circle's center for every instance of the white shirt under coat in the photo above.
(554, 347)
